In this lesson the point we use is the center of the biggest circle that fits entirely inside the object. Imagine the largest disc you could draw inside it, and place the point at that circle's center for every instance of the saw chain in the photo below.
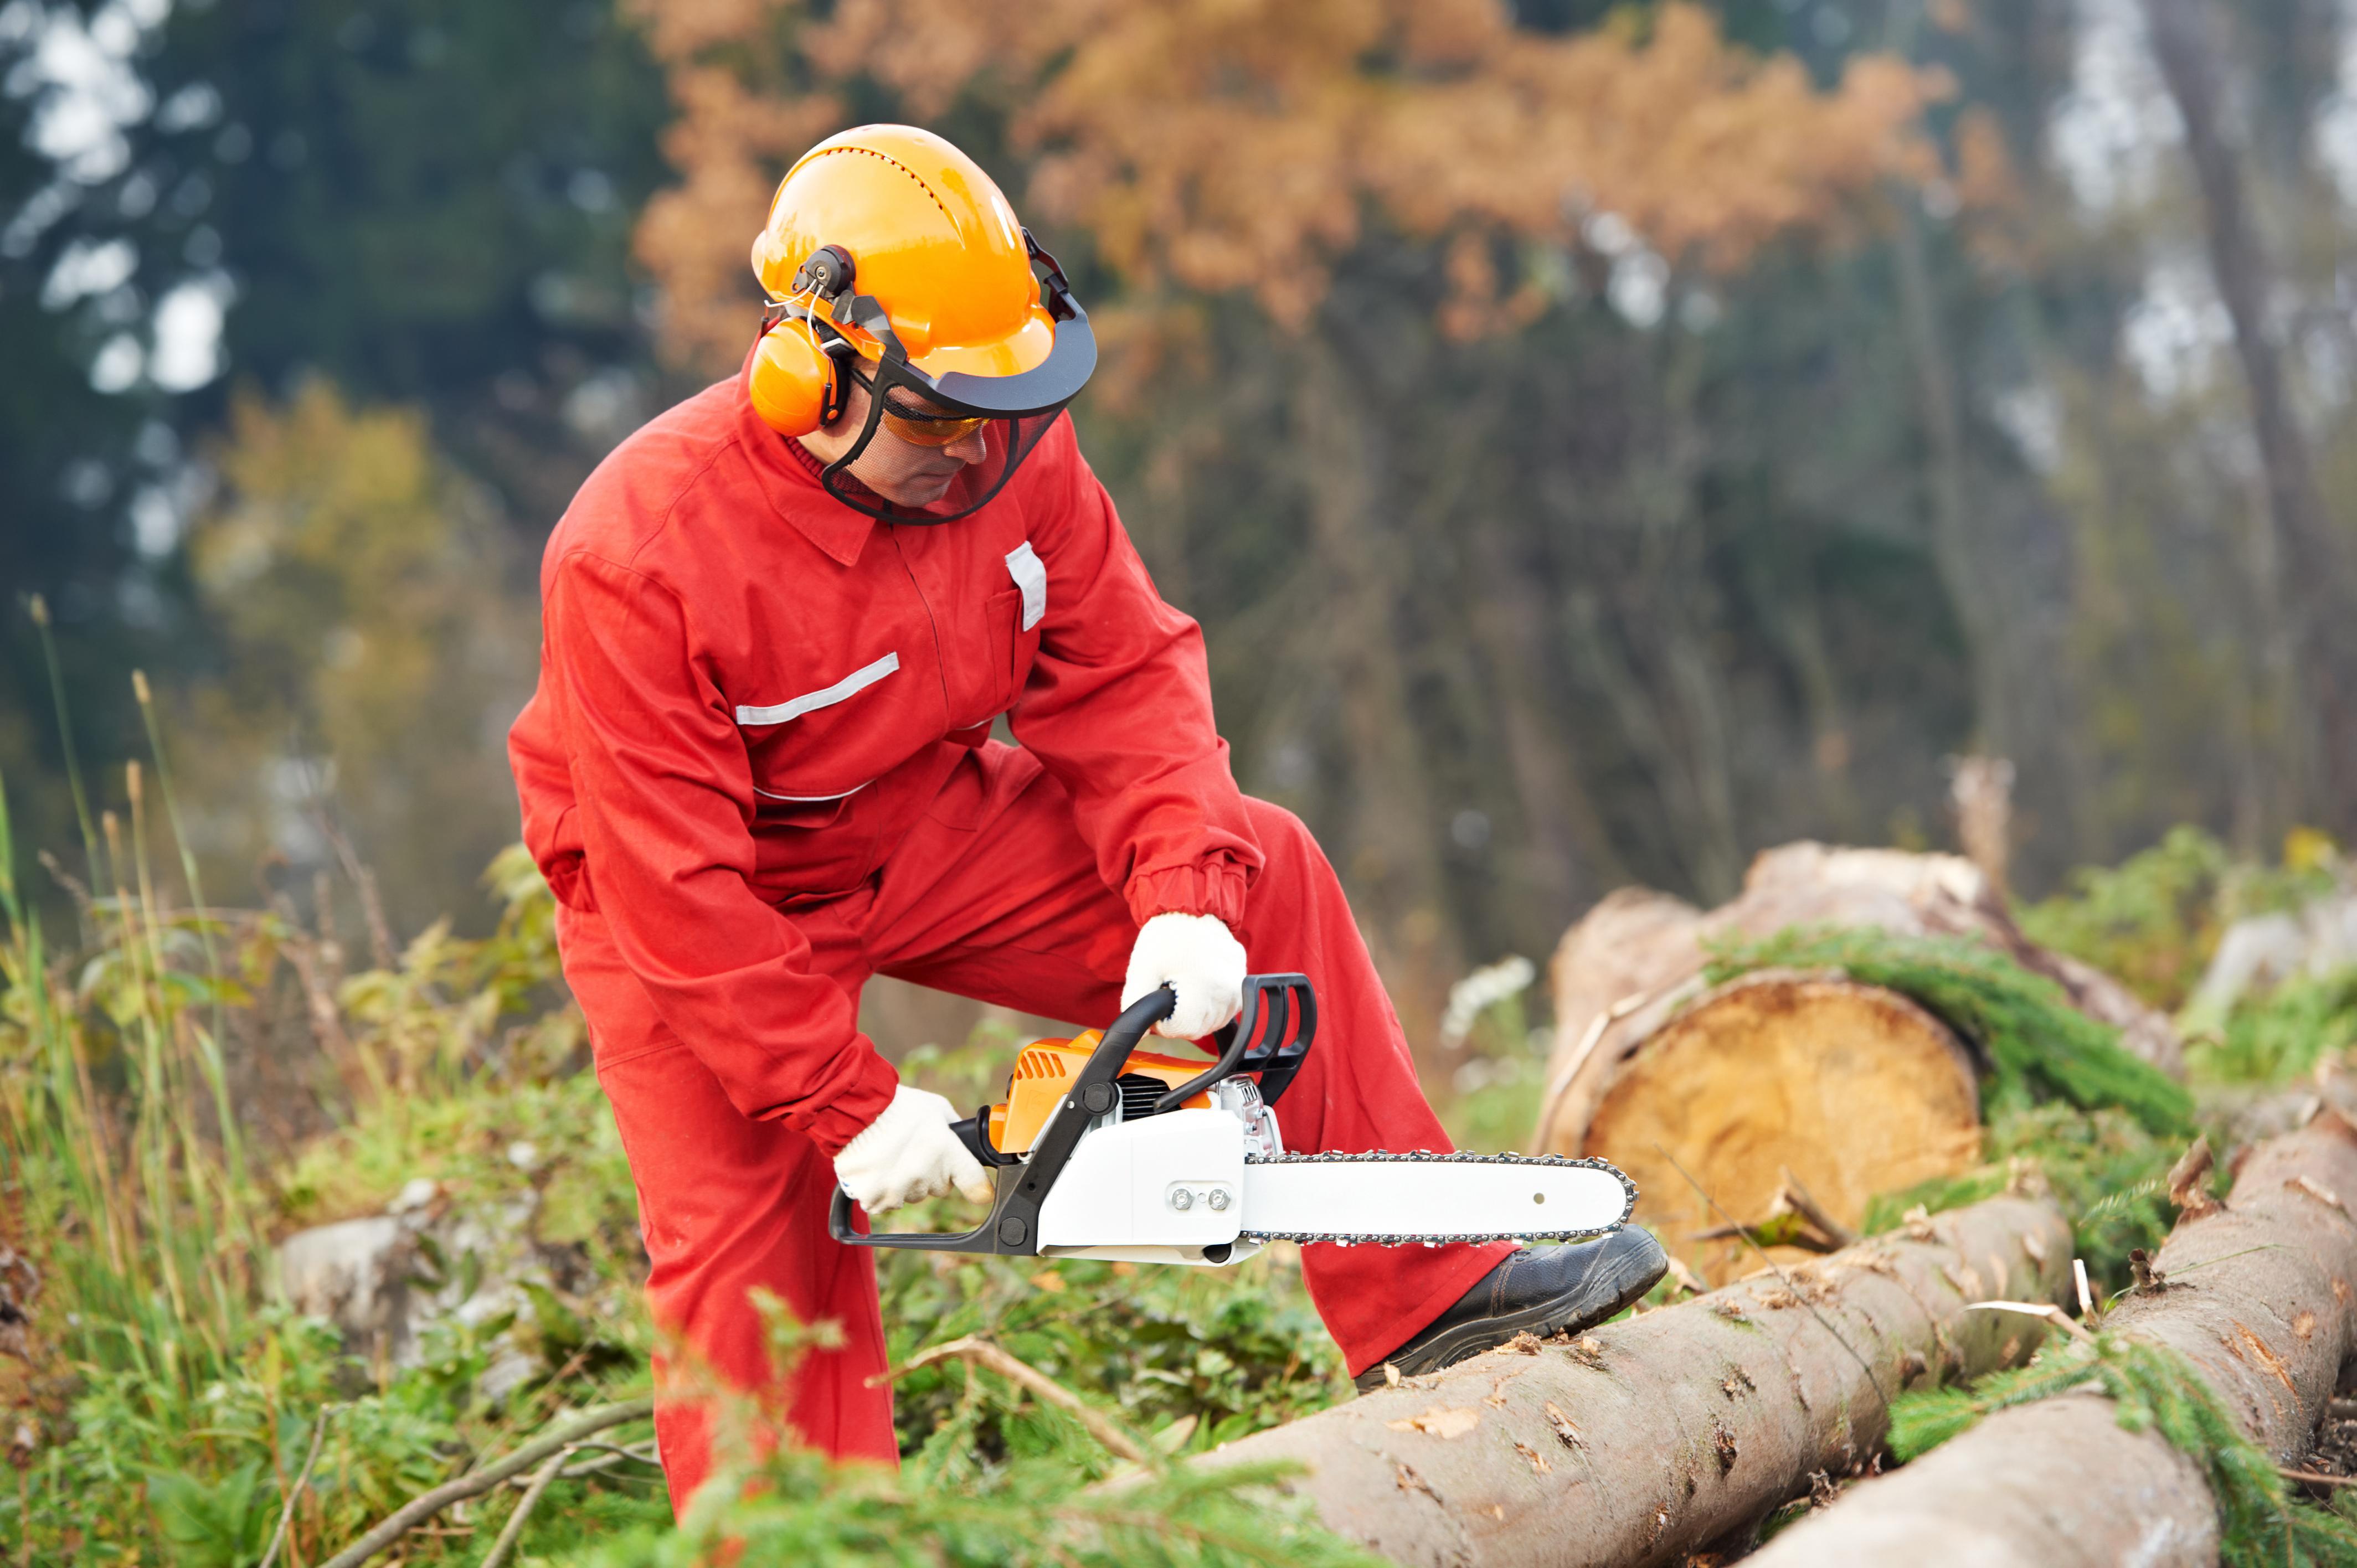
(1425, 1156)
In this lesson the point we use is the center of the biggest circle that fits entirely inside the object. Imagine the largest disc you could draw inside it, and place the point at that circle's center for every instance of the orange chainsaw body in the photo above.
(1046, 1069)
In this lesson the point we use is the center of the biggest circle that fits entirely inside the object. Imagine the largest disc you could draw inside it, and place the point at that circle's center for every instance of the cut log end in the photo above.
(1854, 1089)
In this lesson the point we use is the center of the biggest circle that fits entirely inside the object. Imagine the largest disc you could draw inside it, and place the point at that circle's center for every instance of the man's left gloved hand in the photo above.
(1197, 956)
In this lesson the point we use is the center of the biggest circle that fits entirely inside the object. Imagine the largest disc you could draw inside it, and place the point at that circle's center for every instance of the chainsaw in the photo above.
(1101, 1150)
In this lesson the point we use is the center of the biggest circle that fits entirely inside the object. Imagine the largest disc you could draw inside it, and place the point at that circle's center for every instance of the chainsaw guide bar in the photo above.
(1424, 1158)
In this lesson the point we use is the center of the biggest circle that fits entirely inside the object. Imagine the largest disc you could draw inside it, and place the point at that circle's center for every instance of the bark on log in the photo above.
(2267, 1322)
(1630, 1007)
(1651, 1436)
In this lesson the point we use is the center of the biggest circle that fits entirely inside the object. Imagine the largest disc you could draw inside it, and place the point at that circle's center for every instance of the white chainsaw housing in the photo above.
(1122, 1192)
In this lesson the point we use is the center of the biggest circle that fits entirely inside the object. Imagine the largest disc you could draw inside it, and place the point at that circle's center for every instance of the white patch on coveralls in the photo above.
(851, 685)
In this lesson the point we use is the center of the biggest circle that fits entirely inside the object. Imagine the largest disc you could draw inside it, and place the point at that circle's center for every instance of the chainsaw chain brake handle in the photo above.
(1013, 1228)
(1270, 1037)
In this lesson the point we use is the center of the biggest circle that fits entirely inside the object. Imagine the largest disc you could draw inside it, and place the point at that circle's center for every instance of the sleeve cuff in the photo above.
(847, 1115)
(1215, 887)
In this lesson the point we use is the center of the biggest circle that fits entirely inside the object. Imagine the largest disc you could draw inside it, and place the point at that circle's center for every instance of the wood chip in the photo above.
(2323, 1195)
(2188, 1188)
(1441, 1420)
(1565, 1428)
(1409, 1480)
(1538, 1461)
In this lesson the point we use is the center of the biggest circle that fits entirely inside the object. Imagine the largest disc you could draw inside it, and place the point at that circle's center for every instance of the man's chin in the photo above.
(920, 494)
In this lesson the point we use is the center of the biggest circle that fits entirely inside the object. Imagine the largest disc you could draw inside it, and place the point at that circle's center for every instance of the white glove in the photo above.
(1201, 960)
(909, 1153)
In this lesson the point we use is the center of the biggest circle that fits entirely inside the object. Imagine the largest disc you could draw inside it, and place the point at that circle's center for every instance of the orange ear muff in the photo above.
(794, 384)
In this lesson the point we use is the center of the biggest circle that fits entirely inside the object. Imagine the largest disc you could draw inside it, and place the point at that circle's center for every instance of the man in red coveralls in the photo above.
(780, 621)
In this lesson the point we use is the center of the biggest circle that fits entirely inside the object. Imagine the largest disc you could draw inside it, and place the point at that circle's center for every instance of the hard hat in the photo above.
(888, 245)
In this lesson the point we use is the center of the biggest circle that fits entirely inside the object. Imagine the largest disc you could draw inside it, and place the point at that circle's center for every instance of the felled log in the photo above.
(2256, 1295)
(1851, 1088)
(1646, 1438)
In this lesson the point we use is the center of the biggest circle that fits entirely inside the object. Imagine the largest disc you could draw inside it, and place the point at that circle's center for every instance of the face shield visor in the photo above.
(932, 422)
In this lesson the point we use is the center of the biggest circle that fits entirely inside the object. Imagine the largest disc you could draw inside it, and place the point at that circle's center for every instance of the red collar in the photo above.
(788, 477)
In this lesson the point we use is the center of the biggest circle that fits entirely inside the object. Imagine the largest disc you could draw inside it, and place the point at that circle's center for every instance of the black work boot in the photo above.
(1538, 1290)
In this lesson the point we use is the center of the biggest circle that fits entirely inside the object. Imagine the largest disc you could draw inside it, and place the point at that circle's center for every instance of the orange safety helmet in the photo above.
(888, 245)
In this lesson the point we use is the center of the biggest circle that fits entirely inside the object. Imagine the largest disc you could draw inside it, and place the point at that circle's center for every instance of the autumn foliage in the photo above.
(1213, 145)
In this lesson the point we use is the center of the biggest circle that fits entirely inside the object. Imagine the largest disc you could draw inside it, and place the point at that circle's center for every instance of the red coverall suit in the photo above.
(757, 771)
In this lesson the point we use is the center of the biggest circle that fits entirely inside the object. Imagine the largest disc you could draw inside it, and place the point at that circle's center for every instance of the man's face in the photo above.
(904, 472)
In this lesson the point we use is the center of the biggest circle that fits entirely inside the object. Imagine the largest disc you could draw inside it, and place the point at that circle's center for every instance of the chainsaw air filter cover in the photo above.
(1045, 1071)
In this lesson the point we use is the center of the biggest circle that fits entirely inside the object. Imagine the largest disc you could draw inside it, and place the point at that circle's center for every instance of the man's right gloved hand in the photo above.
(909, 1153)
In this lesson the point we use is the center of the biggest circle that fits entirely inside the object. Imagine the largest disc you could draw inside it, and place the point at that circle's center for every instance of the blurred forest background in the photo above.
(1601, 440)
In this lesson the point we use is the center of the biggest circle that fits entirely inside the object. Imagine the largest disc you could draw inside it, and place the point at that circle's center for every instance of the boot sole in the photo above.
(1627, 1278)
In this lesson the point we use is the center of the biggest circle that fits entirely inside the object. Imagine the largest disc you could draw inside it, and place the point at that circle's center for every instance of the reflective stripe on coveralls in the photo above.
(717, 937)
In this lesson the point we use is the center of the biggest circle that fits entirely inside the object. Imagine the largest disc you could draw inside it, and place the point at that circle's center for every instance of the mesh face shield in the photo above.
(927, 415)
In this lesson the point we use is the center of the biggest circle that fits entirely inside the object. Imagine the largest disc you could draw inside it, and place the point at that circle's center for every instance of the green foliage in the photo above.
(803, 1509)
(2105, 1168)
(2151, 921)
(2154, 920)
(1204, 1354)
(2155, 1388)
(2281, 1033)
(2036, 1046)
(1488, 1103)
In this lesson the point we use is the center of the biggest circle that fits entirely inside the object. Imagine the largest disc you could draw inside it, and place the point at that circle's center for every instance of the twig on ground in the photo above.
(2046, 1310)
(1791, 1198)
(420, 1508)
(302, 1480)
(512, 1531)
(1816, 1213)
(2314, 1479)
(608, 1456)
(983, 1353)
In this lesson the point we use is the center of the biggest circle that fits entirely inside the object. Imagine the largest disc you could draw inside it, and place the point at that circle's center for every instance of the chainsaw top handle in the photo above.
(1259, 1041)
(1013, 1227)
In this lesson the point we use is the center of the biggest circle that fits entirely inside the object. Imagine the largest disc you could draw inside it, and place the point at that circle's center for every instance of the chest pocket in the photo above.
(785, 793)
(1025, 608)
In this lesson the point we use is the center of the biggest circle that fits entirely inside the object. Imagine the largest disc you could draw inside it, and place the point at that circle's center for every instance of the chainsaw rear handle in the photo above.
(1013, 1228)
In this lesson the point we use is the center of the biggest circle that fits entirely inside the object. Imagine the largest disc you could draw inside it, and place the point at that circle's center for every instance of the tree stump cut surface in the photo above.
(1855, 1089)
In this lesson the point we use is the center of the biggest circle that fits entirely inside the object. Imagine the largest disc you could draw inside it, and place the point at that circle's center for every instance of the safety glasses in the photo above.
(920, 424)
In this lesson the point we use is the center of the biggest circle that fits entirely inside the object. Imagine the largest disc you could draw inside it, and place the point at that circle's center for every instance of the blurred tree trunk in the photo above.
(1671, 549)
(2320, 734)
(1391, 850)
(1953, 544)
(1565, 856)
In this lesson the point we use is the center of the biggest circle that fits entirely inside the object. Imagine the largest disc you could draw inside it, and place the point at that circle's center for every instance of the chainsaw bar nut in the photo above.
(1181, 1200)
(1219, 1199)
